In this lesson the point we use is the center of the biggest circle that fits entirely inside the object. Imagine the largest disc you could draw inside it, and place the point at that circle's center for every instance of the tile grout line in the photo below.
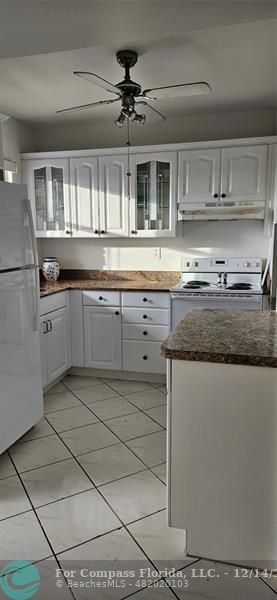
(122, 442)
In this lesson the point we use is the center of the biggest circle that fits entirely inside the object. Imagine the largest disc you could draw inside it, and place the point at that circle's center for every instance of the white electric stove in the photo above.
(218, 283)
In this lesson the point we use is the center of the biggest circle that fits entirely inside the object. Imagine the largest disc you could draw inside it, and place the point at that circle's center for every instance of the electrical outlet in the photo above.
(157, 253)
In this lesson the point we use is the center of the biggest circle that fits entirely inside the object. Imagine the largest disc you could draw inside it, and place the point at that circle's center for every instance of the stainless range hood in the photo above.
(204, 211)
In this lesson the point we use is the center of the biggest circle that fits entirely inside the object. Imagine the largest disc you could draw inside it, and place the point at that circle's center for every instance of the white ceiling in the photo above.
(232, 45)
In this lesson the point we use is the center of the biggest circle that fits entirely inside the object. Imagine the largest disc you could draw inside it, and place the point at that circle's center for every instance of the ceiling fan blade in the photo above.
(151, 113)
(184, 89)
(84, 106)
(92, 78)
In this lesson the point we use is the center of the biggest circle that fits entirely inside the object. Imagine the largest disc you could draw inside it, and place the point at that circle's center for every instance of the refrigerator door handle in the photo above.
(36, 270)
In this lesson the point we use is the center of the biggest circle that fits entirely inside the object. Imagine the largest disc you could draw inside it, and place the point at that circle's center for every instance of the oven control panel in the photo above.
(216, 265)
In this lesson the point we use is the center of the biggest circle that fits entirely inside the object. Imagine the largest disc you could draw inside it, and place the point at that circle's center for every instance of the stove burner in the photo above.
(240, 286)
(195, 285)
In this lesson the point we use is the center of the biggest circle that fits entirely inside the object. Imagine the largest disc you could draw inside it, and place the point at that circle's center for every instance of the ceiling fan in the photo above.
(130, 93)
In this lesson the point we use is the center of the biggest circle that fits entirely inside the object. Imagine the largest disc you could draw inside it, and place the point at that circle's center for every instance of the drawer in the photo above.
(53, 302)
(151, 316)
(101, 298)
(147, 333)
(146, 299)
(144, 357)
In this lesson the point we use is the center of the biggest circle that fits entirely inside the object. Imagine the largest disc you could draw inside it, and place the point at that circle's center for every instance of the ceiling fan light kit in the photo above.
(130, 93)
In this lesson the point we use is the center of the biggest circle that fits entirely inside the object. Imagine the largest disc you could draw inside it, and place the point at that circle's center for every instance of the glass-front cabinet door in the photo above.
(153, 194)
(48, 187)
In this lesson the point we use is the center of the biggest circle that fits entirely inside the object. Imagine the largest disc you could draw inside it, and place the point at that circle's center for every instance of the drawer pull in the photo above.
(145, 357)
(144, 317)
(116, 312)
(96, 231)
(101, 298)
(144, 300)
(145, 333)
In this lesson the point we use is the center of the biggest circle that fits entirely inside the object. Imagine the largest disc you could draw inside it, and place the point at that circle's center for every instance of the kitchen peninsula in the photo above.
(222, 440)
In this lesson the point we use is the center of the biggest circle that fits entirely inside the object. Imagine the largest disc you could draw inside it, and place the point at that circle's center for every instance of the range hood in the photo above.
(227, 211)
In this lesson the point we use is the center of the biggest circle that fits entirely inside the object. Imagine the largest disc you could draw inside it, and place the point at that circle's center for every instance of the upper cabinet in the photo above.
(48, 185)
(237, 173)
(153, 194)
(244, 173)
(199, 175)
(84, 188)
(114, 201)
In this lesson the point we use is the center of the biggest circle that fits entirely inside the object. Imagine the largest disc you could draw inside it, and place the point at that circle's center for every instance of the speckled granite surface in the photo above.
(238, 337)
(156, 281)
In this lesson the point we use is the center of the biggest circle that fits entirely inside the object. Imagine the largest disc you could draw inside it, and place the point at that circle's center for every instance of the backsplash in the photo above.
(213, 238)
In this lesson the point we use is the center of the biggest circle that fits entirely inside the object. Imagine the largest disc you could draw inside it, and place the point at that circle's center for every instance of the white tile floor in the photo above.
(86, 486)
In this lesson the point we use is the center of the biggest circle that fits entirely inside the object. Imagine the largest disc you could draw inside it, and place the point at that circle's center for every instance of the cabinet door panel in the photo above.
(114, 196)
(57, 343)
(244, 171)
(102, 328)
(48, 187)
(153, 194)
(199, 175)
(84, 196)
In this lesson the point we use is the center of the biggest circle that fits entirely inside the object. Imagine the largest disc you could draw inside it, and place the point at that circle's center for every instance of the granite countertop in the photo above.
(156, 281)
(239, 337)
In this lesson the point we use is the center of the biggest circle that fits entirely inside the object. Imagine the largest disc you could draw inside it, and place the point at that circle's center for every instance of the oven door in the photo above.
(182, 303)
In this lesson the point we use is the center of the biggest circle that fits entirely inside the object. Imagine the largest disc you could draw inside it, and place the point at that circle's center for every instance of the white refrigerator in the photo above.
(21, 402)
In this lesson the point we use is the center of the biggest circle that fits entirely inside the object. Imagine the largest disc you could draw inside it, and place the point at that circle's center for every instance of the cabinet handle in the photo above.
(68, 232)
(100, 298)
(145, 333)
(102, 231)
(145, 357)
(144, 317)
(223, 195)
(215, 195)
(96, 231)
(144, 299)
(134, 232)
(45, 329)
(50, 326)
(117, 312)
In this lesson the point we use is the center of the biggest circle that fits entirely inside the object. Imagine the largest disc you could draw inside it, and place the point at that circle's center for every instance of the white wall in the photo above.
(189, 128)
(242, 238)
(17, 138)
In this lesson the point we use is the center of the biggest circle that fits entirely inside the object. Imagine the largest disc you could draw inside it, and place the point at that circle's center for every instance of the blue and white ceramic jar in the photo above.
(50, 268)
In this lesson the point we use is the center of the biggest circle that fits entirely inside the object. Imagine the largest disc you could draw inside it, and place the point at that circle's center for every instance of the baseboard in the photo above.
(110, 374)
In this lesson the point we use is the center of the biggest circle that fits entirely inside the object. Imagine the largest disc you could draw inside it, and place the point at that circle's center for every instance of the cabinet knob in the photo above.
(117, 312)
(101, 298)
(134, 232)
(215, 195)
(68, 232)
(144, 317)
(102, 231)
(144, 299)
(96, 231)
(223, 195)
(145, 333)
(145, 357)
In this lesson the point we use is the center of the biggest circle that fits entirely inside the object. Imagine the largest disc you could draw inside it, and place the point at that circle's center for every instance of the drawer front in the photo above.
(143, 357)
(146, 299)
(53, 302)
(146, 333)
(151, 316)
(101, 298)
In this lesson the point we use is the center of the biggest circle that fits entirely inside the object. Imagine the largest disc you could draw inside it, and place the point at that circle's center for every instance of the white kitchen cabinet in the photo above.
(102, 333)
(237, 173)
(114, 202)
(199, 175)
(55, 344)
(153, 196)
(244, 173)
(48, 188)
(84, 187)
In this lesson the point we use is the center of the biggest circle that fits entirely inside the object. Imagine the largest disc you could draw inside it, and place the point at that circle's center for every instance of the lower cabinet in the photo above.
(144, 357)
(54, 344)
(102, 336)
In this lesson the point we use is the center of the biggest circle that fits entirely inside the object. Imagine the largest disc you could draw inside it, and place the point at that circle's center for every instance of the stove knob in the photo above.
(256, 265)
(247, 264)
